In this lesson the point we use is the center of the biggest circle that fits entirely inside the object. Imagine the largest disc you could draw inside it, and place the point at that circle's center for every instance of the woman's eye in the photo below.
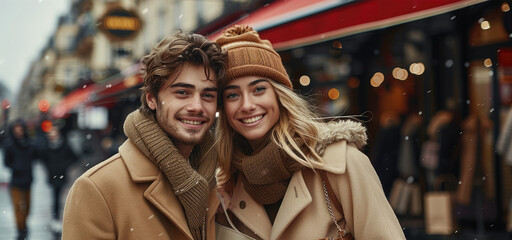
(231, 95)
(259, 89)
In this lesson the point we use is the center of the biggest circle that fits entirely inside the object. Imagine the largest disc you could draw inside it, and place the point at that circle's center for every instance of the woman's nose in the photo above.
(248, 104)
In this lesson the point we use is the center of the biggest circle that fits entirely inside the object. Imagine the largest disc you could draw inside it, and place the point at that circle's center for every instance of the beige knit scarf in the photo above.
(192, 187)
(266, 173)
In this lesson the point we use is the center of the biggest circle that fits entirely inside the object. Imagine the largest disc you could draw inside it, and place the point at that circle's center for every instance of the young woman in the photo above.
(272, 150)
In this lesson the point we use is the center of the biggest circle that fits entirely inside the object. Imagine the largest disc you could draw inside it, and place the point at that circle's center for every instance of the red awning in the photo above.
(112, 93)
(72, 100)
(101, 93)
(108, 92)
(293, 23)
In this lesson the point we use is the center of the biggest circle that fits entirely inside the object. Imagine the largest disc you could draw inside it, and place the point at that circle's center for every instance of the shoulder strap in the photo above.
(335, 202)
(226, 212)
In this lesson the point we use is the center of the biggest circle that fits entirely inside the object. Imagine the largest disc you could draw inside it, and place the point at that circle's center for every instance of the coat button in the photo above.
(242, 204)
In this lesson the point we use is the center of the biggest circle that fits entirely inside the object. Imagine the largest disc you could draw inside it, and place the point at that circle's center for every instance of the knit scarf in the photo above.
(191, 187)
(265, 173)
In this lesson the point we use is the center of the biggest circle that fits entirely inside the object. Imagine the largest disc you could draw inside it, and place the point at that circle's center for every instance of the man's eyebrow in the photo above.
(192, 86)
(211, 89)
(183, 85)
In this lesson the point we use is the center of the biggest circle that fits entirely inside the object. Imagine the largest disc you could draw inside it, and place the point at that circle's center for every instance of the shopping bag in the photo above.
(396, 193)
(416, 208)
(439, 205)
(405, 197)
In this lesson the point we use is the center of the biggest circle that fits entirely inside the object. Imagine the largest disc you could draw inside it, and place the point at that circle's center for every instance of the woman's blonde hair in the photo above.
(296, 132)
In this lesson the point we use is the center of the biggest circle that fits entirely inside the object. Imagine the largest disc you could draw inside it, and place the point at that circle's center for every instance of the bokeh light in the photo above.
(377, 79)
(485, 25)
(46, 125)
(304, 80)
(44, 105)
(505, 7)
(488, 62)
(333, 93)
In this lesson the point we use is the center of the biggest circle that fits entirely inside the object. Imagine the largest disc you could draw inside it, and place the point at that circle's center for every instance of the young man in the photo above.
(161, 183)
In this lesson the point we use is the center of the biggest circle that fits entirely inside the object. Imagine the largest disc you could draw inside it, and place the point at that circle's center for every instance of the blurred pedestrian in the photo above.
(20, 152)
(57, 157)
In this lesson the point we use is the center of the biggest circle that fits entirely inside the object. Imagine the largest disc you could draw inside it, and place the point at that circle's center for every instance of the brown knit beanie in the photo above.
(249, 55)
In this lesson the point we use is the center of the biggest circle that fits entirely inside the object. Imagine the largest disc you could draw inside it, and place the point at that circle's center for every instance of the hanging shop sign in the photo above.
(120, 24)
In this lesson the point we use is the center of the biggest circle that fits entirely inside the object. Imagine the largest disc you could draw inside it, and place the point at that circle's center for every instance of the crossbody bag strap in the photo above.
(331, 199)
(334, 200)
(224, 208)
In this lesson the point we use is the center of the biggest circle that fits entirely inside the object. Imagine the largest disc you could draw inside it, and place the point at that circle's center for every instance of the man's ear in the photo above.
(151, 100)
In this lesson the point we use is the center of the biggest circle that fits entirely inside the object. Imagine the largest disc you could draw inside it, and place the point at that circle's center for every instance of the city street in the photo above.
(421, 90)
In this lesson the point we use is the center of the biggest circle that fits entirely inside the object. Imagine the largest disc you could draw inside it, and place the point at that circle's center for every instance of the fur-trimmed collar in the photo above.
(351, 131)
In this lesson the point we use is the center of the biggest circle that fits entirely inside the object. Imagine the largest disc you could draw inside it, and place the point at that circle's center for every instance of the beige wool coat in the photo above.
(303, 213)
(127, 197)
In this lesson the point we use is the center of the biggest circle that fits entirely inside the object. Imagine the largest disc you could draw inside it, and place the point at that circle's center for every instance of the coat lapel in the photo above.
(159, 193)
(296, 198)
(250, 212)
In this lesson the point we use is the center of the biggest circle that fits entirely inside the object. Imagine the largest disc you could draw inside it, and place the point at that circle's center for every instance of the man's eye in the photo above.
(209, 95)
(181, 92)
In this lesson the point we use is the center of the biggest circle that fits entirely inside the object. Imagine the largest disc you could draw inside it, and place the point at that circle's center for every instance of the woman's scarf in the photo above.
(266, 173)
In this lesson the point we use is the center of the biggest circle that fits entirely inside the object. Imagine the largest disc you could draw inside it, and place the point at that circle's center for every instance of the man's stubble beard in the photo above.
(185, 137)
(190, 137)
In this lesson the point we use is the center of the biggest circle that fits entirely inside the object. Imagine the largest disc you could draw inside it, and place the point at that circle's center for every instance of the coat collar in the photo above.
(335, 158)
(140, 168)
(296, 198)
(143, 170)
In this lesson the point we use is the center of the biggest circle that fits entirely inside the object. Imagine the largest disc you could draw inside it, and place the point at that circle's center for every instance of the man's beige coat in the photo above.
(303, 213)
(127, 197)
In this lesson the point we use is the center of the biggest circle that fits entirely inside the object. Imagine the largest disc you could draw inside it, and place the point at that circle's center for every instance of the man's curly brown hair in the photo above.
(169, 56)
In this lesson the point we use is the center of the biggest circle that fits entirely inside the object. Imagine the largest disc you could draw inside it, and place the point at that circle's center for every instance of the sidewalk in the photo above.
(40, 210)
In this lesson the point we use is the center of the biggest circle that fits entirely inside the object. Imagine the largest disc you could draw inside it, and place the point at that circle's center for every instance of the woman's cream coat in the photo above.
(127, 197)
(303, 213)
